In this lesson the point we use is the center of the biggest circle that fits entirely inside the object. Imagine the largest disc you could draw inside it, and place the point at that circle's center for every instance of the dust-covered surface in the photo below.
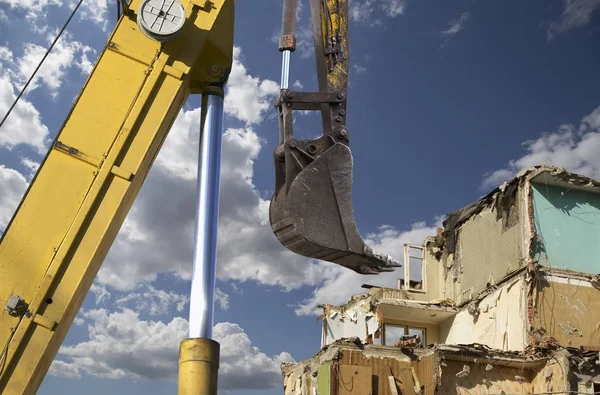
(349, 367)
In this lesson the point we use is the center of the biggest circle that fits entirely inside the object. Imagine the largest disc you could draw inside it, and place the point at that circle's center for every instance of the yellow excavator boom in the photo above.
(61, 232)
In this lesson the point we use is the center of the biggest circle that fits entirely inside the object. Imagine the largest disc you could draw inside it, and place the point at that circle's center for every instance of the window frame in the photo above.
(407, 329)
(407, 257)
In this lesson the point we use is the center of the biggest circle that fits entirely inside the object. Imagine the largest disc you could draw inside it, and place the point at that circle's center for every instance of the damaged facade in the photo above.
(500, 301)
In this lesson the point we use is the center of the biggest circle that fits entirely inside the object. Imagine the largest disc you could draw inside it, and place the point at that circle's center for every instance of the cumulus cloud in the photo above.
(66, 54)
(577, 149)
(576, 13)
(24, 125)
(340, 284)
(248, 97)
(152, 351)
(12, 187)
(154, 301)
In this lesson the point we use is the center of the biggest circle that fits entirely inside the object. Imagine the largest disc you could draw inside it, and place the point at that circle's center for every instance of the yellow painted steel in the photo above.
(338, 77)
(198, 367)
(60, 234)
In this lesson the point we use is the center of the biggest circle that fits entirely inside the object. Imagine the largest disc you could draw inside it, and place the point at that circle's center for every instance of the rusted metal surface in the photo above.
(311, 212)
(287, 40)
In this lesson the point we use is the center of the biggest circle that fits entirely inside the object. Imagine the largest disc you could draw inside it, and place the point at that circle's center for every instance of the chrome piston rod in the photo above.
(207, 211)
(285, 69)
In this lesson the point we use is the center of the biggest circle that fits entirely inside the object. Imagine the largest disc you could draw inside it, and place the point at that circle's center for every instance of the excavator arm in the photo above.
(311, 211)
(61, 232)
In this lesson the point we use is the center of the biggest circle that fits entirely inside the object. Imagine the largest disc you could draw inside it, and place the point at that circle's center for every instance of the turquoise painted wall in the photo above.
(567, 223)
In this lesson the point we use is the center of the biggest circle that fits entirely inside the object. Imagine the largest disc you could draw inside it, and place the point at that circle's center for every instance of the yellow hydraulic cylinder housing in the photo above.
(61, 232)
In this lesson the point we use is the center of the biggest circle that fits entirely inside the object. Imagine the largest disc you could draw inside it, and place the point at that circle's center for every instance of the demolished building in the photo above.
(500, 301)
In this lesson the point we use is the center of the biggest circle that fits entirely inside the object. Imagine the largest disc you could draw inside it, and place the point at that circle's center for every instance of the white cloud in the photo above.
(12, 187)
(95, 11)
(340, 284)
(102, 294)
(31, 165)
(53, 71)
(3, 16)
(154, 301)
(456, 25)
(298, 85)
(64, 369)
(575, 149)
(576, 13)
(248, 97)
(23, 126)
(359, 69)
(33, 9)
(242, 364)
(393, 8)
(84, 64)
(6, 55)
(362, 11)
(222, 299)
(121, 345)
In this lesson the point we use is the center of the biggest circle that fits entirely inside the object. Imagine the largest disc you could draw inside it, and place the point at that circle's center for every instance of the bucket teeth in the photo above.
(311, 212)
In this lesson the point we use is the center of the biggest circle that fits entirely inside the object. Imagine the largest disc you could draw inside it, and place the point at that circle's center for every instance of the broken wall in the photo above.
(354, 371)
(357, 319)
(553, 377)
(567, 310)
(487, 250)
(567, 227)
(484, 378)
(497, 320)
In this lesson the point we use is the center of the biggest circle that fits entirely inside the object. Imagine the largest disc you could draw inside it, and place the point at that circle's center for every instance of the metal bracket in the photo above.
(44, 321)
(15, 306)
(308, 100)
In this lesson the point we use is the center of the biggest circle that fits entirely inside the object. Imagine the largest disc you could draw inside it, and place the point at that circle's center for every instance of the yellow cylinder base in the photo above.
(198, 367)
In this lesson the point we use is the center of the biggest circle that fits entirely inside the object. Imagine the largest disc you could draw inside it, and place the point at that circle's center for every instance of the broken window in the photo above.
(393, 333)
(419, 332)
(414, 269)
(402, 335)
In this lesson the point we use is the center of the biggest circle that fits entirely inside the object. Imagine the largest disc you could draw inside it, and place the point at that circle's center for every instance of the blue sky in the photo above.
(446, 101)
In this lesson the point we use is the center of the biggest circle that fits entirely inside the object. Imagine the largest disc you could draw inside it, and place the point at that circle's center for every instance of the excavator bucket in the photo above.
(311, 211)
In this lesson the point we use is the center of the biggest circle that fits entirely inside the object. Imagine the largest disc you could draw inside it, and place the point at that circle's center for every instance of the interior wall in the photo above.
(500, 323)
(567, 223)
(567, 311)
(488, 249)
(497, 380)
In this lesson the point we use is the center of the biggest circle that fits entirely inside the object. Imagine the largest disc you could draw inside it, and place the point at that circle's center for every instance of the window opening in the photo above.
(394, 334)
(414, 269)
